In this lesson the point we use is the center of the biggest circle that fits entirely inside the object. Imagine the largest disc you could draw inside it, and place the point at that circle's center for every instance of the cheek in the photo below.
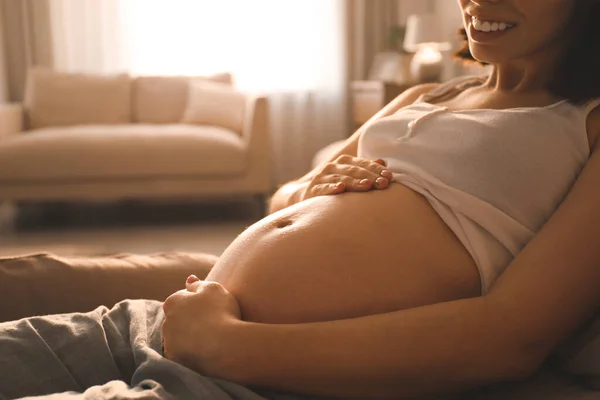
(462, 4)
(549, 18)
(544, 32)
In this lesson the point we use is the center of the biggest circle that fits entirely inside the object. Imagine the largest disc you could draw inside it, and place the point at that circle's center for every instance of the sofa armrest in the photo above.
(11, 119)
(256, 119)
(257, 137)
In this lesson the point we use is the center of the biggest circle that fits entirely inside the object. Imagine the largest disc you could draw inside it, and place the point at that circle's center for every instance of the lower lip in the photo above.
(484, 37)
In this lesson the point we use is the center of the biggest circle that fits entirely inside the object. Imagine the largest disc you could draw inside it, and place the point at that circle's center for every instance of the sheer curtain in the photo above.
(294, 51)
(369, 26)
(88, 36)
(26, 31)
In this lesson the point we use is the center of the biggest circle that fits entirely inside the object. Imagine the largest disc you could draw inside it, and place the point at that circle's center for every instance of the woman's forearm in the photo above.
(285, 196)
(427, 350)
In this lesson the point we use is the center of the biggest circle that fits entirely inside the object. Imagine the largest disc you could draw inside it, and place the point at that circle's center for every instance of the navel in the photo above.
(283, 223)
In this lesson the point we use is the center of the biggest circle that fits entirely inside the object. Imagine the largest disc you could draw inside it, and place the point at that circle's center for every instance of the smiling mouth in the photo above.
(481, 25)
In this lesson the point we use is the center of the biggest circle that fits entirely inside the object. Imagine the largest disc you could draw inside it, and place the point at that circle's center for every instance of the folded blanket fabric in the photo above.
(117, 354)
(103, 354)
(40, 284)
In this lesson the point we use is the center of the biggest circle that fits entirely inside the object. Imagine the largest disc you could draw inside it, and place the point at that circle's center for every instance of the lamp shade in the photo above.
(424, 30)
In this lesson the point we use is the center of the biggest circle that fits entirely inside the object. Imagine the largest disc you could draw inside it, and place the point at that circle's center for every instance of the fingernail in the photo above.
(192, 279)
(387, 174)
(364, 182)
(381, 182)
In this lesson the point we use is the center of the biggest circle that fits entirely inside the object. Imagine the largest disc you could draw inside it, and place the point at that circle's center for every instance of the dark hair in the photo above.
(577, 76)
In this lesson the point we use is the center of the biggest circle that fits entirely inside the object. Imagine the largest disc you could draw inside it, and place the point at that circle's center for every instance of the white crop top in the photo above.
(493, 176)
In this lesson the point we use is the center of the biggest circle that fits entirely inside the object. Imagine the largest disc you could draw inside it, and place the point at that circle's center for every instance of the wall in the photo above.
(450, 17)
(407, 7)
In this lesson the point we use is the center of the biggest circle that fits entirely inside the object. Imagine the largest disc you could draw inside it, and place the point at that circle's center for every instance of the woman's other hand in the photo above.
(195, 321)
(347, 174)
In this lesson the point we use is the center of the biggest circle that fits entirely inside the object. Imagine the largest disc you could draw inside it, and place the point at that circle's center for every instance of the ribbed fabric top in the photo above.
(494, 176)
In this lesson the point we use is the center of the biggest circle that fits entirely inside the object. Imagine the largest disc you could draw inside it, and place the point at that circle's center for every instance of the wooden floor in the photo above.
(127, 227)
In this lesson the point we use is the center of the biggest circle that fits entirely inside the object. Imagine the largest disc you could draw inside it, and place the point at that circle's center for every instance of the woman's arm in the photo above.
(546, 293)
(289, 193)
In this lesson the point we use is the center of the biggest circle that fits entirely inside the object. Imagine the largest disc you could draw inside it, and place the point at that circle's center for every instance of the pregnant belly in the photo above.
(344, 256)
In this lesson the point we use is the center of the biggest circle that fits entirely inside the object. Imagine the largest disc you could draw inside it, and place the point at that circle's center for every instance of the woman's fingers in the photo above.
(192, 283)
(348, 174)
(358, 178)
(326, 189)
(368, 170)
(376, 167)
(346, 184)
(338, 184)
(382, 183)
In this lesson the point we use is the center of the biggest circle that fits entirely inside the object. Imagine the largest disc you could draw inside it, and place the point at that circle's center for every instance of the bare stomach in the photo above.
(344, 256)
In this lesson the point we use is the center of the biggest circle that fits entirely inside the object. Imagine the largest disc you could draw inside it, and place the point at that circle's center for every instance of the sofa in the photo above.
(79, 137)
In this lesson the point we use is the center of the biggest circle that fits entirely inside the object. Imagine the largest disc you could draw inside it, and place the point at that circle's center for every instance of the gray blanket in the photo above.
(117, 355)
(104, 354)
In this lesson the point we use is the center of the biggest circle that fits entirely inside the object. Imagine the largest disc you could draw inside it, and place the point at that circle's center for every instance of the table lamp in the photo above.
(425, 39)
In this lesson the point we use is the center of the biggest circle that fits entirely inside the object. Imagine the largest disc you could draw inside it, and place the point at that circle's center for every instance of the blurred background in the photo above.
(159, 125)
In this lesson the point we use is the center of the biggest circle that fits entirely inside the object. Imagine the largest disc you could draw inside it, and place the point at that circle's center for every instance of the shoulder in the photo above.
(408, 97)
(457, 84)
(413, 93)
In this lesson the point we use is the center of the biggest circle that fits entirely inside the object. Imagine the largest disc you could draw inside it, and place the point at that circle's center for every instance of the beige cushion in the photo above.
(122, 151)
(41, 284)
(162, 99)
(215, 104)
(58, 99)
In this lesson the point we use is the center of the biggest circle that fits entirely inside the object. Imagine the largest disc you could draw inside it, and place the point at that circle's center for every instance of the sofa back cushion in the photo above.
(215, 104)
(60, 99)
(163, 99)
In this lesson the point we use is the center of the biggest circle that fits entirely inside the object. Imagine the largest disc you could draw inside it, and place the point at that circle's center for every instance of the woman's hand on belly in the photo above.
(346, 174)
(195, 320)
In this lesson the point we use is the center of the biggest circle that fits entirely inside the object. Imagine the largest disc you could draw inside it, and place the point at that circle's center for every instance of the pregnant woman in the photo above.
(449, 244)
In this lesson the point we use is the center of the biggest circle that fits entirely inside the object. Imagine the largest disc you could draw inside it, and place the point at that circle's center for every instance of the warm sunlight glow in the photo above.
(267, 44)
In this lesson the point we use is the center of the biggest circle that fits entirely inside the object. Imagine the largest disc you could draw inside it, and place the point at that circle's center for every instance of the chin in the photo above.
(488, 56)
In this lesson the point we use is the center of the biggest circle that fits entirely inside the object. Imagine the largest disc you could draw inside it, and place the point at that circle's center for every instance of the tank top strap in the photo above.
(452, 87)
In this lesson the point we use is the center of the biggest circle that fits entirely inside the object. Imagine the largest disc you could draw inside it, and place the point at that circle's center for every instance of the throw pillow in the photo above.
(162, 99)
(215, 104)
(61, 99)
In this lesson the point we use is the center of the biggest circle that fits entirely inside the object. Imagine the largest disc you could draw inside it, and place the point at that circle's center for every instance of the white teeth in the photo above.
(486, 26)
